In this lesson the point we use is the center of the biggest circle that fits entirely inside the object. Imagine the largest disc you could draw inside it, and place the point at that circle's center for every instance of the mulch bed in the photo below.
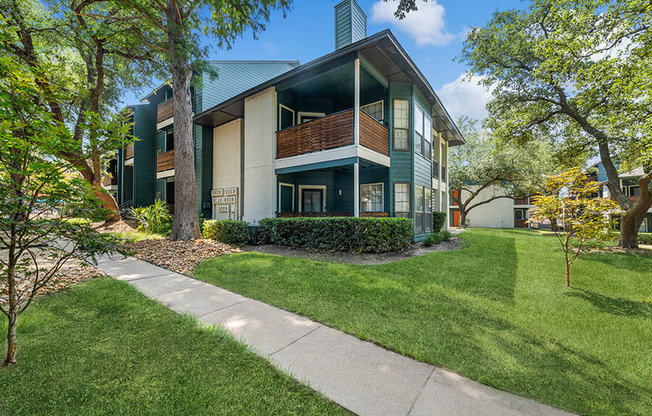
(68, 276)
(179, 256)
(416, 249)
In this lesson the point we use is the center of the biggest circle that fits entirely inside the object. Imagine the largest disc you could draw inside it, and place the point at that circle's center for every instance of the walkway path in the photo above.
(358, 375)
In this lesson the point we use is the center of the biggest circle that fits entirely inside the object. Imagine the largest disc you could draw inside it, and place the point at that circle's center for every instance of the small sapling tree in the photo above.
(38, 195)
(570, 202)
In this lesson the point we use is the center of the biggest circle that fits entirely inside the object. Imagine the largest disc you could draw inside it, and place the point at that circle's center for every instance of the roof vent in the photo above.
(350, 23)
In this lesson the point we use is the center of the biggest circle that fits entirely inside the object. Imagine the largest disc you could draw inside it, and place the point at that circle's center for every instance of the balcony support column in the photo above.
(356, 106)
(356, 189)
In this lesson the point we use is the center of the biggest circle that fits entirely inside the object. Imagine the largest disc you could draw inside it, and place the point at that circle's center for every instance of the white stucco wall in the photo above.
(259, 155)
(498, 213)
(226, 160)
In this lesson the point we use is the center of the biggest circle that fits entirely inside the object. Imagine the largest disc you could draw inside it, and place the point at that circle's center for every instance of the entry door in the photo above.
(312, 200)
(287, 192)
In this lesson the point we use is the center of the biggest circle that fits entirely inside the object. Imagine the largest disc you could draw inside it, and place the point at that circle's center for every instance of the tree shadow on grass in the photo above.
(614, 306)
(632, 261)
(496, 352)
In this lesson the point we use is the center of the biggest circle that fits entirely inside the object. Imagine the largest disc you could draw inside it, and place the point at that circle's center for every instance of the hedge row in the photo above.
(227, 231)
(376, 235)
(645, 238)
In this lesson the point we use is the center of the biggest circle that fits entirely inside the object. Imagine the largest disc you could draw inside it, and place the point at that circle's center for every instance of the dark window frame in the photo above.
(394, 128)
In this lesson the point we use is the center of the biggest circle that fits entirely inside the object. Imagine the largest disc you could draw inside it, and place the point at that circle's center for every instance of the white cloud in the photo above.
(425, 25)
(270, 47)
(465, 98)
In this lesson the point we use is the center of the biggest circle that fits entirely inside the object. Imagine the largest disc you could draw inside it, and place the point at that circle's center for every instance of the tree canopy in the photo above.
(580, 71)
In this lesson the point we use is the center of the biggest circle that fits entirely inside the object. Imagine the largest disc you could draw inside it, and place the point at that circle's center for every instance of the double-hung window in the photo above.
(402, 200)
(371, 197)
(401, 124)
(375, 110)
(422, 133)
(422, 209)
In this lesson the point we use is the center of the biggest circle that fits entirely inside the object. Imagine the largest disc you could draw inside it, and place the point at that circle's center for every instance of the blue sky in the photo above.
(432, 36)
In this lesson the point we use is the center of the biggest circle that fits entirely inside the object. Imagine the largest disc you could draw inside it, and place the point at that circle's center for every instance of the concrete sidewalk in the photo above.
(358, 375)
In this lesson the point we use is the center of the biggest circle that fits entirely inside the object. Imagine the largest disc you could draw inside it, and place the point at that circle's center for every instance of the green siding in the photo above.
(203, 138)
(144, 170)
(350, 23)
(400, 160)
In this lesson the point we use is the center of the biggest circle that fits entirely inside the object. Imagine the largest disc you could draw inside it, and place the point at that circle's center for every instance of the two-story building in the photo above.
(357, 132)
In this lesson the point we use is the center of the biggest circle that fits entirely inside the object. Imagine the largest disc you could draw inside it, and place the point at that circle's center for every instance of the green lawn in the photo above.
(102, 348)
(496, 311)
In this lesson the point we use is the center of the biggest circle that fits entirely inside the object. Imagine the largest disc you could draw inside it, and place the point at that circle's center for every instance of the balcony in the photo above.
(331, 132)
(165, 161)
(165, 110)
(129, 152)
(109, 180)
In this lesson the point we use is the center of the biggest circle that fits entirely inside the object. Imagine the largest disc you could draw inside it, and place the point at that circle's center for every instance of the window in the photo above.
(371, 197)
(169, 140)
(402, 200)
(401, 124)
(423, 209)
(418, 130)
(520, 214)
(634, 191)
(443, 173)
(375, 110)
(312, 200)
(422, 133)
(435, 169)
(285, 117)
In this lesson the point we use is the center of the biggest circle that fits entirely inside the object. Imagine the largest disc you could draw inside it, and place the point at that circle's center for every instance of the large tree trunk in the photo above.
(108, 202)
(11, 340)
(186, 220)
(629, 226)
(463, 214)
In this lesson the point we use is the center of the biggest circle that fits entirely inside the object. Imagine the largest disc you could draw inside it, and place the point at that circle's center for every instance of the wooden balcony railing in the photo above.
(522, 201)
(323, 133)
(165, 161)
(330, 132)
(373, 134)
(165, 110)
(129, 151)
(109, 179)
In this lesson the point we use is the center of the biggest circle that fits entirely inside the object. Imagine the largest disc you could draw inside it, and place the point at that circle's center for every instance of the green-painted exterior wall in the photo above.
(350, 23)
(144, 170)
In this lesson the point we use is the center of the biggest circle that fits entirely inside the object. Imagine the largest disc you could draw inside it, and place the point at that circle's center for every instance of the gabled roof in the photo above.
(634, 173)
(381, 49)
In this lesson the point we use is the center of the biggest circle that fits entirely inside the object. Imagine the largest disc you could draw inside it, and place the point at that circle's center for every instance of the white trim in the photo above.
(382, 201)
(309, 114)
(356, 102)
(343, 152)
(382, 108)
(279, 116)
(291, 185)
(163, 124)
(165, 174)
(302, 187)
(129, 162)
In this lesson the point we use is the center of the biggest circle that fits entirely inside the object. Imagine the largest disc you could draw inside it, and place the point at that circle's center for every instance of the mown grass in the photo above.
(496, 311)
(102, 348)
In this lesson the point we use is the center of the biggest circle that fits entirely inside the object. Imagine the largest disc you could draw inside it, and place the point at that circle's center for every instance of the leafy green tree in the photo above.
(486, 169)
(569, 200)
(579, 70)
(37, 192)
(95, 51)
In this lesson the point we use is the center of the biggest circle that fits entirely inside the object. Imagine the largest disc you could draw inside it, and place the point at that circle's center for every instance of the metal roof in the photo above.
(382, 49)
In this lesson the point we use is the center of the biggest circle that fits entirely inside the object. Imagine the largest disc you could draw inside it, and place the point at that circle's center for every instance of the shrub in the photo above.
(154, 218)
(436, 238)
(645, 238)
(438, 220)
(432, 239)
(376, 235)
(227, 231)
